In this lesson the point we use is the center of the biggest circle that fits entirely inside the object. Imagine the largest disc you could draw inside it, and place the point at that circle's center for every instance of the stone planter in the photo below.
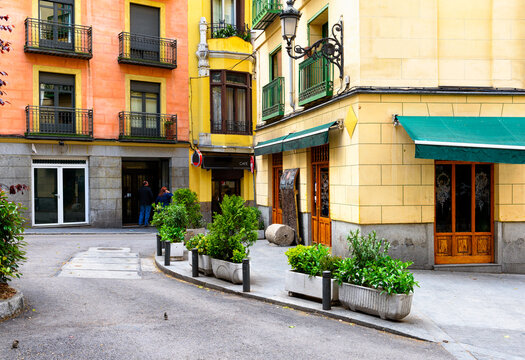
(311, 286)
(226, 270)
(260, 234)
(371, 301)
(177, 251)
(12, 306)
(204, 264)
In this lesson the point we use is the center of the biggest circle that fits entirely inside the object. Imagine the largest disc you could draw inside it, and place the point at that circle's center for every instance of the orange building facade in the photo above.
(98, 96)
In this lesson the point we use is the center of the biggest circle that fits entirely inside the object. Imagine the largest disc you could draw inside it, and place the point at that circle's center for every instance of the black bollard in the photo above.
(327, 290)
(246, 275)
(195, 262)
(167, 253)
(159, 246)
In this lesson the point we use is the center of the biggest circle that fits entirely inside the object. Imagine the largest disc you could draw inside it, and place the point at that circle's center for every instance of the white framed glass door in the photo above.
(60, 192)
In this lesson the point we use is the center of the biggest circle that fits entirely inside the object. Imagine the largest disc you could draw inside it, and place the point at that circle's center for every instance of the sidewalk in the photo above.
(83, 230)
(474, 316)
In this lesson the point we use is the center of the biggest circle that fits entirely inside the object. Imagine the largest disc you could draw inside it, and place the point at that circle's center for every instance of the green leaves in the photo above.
(200, 242)
(172, 234)
(312, 260)
(11, 239)
(174, 215)
(190, 201)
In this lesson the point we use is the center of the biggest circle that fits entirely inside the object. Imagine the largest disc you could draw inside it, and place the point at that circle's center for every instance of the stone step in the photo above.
(100, 274)
(477, 268)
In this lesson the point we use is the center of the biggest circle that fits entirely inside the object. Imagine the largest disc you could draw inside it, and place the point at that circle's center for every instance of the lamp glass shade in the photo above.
(289, 27)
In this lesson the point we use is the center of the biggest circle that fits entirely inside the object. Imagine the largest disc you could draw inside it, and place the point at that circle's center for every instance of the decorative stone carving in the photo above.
(202, 49)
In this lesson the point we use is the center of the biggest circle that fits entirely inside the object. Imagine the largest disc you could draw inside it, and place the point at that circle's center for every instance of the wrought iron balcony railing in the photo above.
(147, 127)
(224, 30)
(273, 99)
(265, 12)
(231, 127)
(59, 122)
(50, 38)
(315, 80)
(147, 50)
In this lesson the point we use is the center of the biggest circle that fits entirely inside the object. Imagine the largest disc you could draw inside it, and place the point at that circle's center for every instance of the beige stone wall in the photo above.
(374, 175)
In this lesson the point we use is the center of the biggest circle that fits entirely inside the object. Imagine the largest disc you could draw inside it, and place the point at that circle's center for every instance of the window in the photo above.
(145, 32)
(276, 66)
(145, 108)
(318, 26)
(57, 102)
(56, 30)
(230, 103)
(228, 12)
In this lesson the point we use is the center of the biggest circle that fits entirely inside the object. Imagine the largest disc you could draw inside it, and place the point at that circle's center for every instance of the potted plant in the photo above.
(230, 236)
(173, 220)
(190, 201)
(200, 242)
(308, 264)
(373, 282)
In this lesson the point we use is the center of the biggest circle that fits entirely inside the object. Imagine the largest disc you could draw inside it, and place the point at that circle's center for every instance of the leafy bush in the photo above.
(171, 234)
(229, 30)
(11, 239)
(199, 242)
(371, 266)
(312, 260)
(173, 215)
(232, 232)
(190, 201)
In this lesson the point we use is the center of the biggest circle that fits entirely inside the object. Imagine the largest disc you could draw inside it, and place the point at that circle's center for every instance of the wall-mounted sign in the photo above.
(226, 161)
(196, 158)
(252, 164)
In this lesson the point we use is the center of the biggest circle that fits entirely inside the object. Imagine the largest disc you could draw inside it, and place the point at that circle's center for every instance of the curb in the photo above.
(326, 313)
(12, 307)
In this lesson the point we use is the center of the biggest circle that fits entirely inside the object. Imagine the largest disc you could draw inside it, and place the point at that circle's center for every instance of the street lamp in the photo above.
(331, 48)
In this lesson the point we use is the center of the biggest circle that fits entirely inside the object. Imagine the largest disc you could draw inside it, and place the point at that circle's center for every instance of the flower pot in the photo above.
(177, 250)
(226, 270)
(311, 286)
(204, 264)
(371, 301)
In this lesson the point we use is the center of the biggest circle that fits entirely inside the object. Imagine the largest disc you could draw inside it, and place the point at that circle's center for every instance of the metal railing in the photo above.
(315, 80)
(265, 12)
(147, 127)
(53, 122)
(224, 30)
(231, 127)
(147, 50)
(273, 99)
(52, 38)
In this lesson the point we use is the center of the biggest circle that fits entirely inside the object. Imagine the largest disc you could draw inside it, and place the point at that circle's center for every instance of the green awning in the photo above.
(462, 138)
(299, 140)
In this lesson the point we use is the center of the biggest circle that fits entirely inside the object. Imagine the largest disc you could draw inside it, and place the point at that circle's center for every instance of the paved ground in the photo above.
(473, 315)
(95, 318)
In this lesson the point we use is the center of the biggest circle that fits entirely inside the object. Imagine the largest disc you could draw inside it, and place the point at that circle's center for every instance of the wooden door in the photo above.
(464, 213)
(277, 168)
(321, 222)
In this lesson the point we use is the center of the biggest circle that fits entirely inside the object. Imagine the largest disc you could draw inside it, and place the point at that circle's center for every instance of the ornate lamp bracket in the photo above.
(331, 48)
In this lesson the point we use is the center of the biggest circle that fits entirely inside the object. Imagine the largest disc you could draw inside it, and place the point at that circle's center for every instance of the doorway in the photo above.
(60, 194)
(464, 213)
(277, 170)
(224, 182)
(321, 222)
(134, 172)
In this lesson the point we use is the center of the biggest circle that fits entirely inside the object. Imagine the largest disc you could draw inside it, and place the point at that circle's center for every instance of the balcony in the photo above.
(273, 99)
(47, 122)
(147, 50)
(45, 37)
(315, 80)
(264, 13)
(231, 127)
(147, 127)
(223, 30)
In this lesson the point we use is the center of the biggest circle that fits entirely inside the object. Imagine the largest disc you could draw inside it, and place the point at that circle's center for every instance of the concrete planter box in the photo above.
(204, 264)
(260, 234)
(11, 307)
(311, 286)
(177, 251)
(371, 301)
(226, 270)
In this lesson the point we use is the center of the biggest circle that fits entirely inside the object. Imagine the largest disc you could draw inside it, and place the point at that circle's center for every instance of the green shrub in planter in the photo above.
(173, 215)
(190, 201)
(371, 266)
(232, 232)
(312, 260)
(172, 234)
(11, 239)
(199, 242)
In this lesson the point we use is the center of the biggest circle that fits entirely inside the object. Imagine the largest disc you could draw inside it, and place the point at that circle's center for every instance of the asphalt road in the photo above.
(82, 318)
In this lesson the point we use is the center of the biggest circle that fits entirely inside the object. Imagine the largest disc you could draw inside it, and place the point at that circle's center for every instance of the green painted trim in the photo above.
(317, 14)
(458, 153)
(272, 53)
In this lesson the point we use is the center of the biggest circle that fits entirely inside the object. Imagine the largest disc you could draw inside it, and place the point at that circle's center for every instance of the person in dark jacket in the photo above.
(145, 201)
(164, 197)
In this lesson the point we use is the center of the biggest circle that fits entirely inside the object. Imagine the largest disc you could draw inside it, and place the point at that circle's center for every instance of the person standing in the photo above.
(145, 201)
(164, 197)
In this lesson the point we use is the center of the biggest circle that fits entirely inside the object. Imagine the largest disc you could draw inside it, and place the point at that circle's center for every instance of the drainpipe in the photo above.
(290, 86)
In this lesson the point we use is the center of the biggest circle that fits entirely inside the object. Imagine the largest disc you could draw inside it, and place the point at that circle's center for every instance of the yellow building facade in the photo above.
(222, 101)
(425, 61)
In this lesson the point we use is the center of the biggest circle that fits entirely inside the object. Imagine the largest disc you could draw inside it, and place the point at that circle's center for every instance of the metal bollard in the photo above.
(194, 263)
(167, 253)
(159, 246)
(246, 275)
(327, 290)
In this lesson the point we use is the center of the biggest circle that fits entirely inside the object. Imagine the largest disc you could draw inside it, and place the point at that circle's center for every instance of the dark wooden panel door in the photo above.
(464, 213)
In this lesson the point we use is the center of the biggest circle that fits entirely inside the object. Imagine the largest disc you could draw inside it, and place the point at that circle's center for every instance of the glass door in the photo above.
(60, 195)
(56, 28)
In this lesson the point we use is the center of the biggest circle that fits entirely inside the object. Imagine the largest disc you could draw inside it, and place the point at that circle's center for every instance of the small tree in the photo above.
(11, 239)
(5, 46)
(190, 201)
